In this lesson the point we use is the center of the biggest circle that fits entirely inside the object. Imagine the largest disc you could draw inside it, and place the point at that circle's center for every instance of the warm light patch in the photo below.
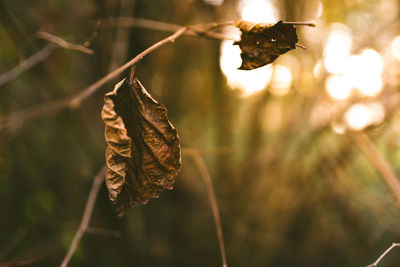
(320, 9)
(337, 48)
(258, 11)
(248, 81)
(214, 2)
(396, 47)
(363, 72)
(255, 80)
(362, 115)
(281, 80)
(338, 128)
(338, 87)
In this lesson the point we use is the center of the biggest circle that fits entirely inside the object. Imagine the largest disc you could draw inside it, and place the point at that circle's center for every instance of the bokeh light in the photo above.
(396, 47)
(281, 80)
(248, 82)
(361, 115)
(364, 71)
(337, 48)
(252, 81)
(258, 11)
(338, 87)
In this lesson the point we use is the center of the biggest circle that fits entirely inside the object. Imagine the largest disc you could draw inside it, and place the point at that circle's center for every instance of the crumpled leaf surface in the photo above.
(262, 43)
(143, 155)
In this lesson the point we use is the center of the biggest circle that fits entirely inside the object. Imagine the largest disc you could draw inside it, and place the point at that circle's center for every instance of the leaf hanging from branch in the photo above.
(262, 43)
(143, 155)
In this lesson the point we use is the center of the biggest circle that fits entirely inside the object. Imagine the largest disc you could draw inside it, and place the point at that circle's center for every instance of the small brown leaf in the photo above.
(262, 43)
(143, 155)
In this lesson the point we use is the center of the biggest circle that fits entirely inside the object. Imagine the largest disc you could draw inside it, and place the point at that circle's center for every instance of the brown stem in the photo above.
(87, 214)
(59, 41)
(370, 151)
(28, 63)
(17, 119)
(196, 30)
(81, 96)
(384, 254)
(310, 24)
(201, 166)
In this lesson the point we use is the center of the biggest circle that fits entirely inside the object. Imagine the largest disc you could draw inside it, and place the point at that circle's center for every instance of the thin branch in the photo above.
(370, 151)
(201, 166)
(384, 254)
(28, 63)
(196, 30)
(17, 119)
(61, 42)
(87, 214)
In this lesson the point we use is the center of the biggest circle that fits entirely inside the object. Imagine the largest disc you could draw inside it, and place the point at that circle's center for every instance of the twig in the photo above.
(196, 30)
(370, 151)
(23, 262)
(201, 166)
(28, 63)
(384, 254)
(61, 42)
(87, 214)
(17, 119)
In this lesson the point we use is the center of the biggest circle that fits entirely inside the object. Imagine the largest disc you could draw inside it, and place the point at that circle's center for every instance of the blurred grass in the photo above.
(291, 193)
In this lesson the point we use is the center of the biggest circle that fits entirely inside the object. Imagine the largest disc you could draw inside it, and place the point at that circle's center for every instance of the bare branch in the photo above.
(61, 42)
(16, 120)
(28, 63)
(384, 254)
(370, 151)
(196, 30)
(87, 214)
(201, 166)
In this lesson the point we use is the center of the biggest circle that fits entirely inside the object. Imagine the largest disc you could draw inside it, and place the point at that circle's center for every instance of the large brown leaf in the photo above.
(262, 43)
(143, 155)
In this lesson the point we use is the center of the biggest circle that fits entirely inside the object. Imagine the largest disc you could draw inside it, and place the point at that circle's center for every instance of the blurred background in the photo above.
(291, 179)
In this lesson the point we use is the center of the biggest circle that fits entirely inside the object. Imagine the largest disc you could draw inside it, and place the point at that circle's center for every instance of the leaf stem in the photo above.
(309, 23)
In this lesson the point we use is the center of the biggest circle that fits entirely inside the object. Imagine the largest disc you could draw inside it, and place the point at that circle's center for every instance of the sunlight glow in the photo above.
(214, 2)
(337, 48)
(255, 80)
(281, 80)
(258, 11)
(338, 128)
(338, 87)
(396, 47)
(361, 115)
(364, 71)
(320, 9)
(248, 81)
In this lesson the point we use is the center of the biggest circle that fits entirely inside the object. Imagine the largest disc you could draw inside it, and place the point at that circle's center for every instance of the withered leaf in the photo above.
(262, 43)
(143, 155)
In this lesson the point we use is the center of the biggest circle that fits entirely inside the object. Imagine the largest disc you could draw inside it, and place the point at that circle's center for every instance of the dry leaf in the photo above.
(143, 155)
(262, 43)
